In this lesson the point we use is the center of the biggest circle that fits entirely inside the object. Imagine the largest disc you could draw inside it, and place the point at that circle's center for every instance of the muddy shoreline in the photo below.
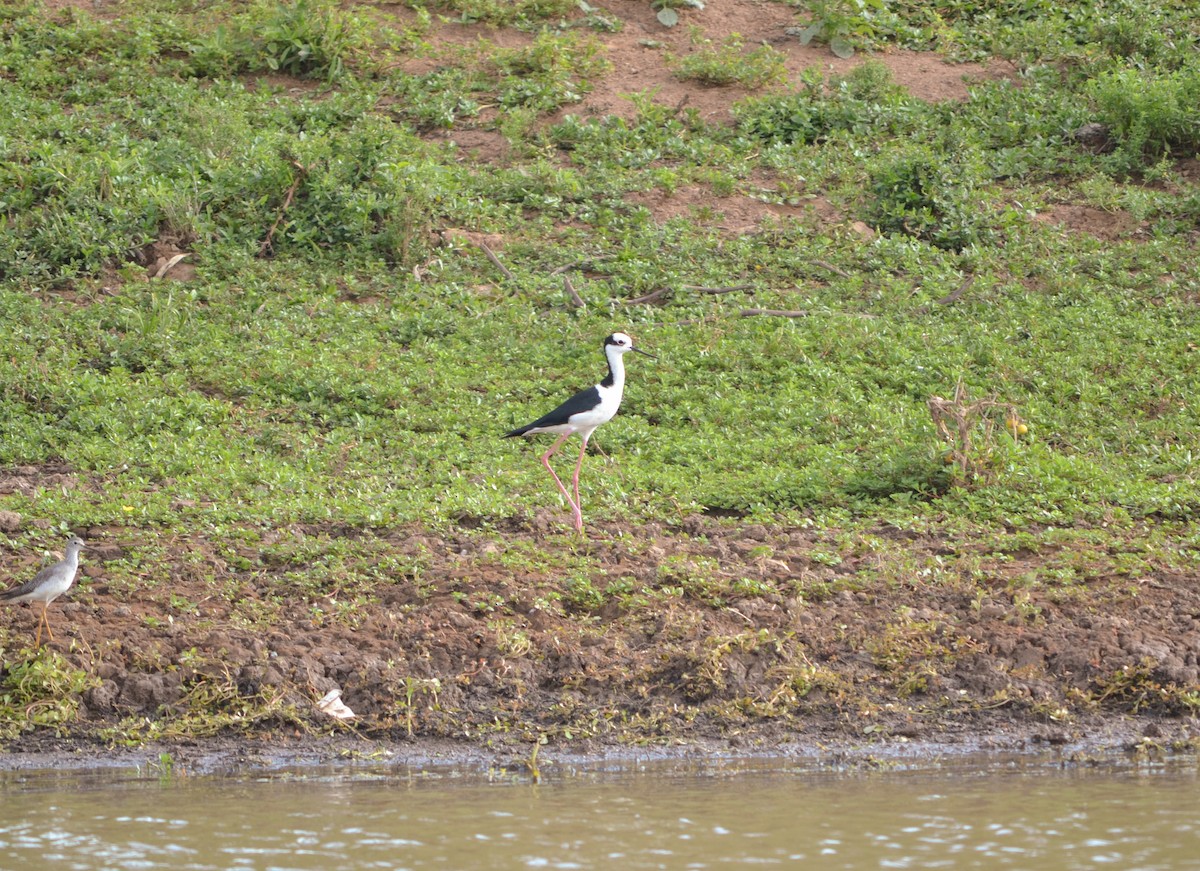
(701, 637)
(1112, 742)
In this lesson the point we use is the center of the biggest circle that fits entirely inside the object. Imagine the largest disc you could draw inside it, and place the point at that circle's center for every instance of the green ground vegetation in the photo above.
(339, 358)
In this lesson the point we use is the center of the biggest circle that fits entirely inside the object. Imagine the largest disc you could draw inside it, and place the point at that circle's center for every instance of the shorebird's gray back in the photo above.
(52, 581)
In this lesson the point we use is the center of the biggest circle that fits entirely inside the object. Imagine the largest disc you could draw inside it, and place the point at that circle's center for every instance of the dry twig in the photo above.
(491, 255)
(956, 418)
(585, 263)
(301, 172)
(654, 296)
(576, 299)
(765, 312)
(773, 313)
(715, 290)
(949, 298)
(831, 268)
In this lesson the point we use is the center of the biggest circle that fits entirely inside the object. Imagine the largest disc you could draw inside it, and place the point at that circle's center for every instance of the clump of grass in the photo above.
(1152, 114)
(1151, 36)
(326, 178)
(728, 63)
(696, 577)
(521, 13)
(435, 101)
(40, 689)
(801, 678)
(309, 38)
(930, 196)
(212, 704)
(554, 70)
(863, 101)
(1139, 688)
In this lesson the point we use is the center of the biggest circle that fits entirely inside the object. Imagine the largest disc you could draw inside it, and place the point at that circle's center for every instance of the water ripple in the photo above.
(1005, 820)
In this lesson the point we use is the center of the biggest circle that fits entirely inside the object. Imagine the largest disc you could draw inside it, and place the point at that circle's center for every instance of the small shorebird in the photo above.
(48, 584)
(583, 413)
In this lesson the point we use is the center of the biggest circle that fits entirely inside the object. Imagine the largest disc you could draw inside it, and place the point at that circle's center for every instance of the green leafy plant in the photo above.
(523, 13)
(844, 25)
(553, 70)
(929, 197)
(728, 62)
(863, 101)
(1151, 114)
(40, 689)
(310, 38)
(414, 688)
(667, 11)
(305, 40)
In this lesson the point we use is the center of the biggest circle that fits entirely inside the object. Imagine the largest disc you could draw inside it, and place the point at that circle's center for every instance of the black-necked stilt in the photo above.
(583, 413)
(48, 584)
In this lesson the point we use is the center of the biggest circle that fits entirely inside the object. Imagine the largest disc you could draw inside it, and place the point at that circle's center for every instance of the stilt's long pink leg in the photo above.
(575, 480)
(546, 462)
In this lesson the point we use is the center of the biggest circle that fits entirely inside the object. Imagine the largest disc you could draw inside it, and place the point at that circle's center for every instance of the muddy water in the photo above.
(1020, 815)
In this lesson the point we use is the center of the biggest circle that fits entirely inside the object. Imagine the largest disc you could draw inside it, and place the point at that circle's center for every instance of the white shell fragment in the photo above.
(331, 703)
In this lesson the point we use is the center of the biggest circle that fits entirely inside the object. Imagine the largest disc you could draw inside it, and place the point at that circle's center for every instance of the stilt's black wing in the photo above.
(584, 400)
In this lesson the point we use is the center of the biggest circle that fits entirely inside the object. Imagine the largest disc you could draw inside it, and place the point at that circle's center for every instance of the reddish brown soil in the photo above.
(932, 640)
(812, 656)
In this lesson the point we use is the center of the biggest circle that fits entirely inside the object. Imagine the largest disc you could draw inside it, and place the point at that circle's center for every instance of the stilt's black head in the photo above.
(622, 342)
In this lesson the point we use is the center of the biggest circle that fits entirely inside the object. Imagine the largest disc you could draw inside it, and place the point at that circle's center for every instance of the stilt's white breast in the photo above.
(610, 401)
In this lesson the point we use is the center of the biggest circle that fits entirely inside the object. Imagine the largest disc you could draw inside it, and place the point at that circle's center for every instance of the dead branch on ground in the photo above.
(773, 313)
(654, 296)
(949, 298)
(584, 263)
(716, 290)
(831, 268)
(575, 298)
(268, 243)
(491, 255)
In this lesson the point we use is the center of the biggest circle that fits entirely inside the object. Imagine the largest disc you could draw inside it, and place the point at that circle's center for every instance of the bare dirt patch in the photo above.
(641, 53)
(478, 147)
(704, 631)
(733, 215)
(1088, 219)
